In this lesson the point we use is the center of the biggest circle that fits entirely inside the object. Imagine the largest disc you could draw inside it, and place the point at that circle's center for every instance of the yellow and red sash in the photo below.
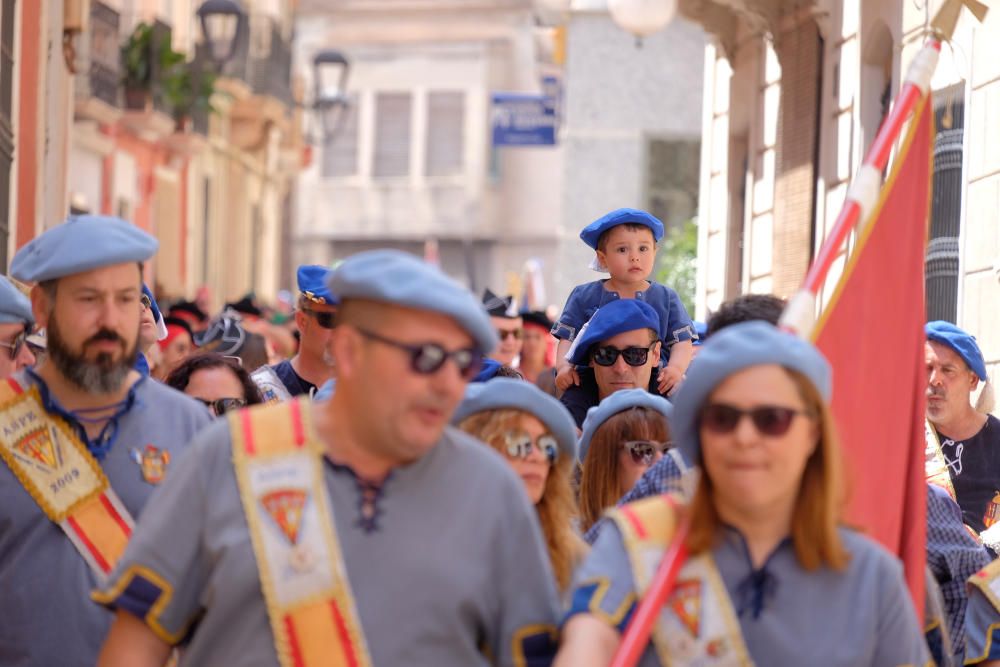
(935, 465)
(62, 476)
(279, 469)
(697, 624)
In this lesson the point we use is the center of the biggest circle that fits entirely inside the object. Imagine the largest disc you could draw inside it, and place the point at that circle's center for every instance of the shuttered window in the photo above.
(340, 151)
(445, 133)
(392, 135)
(942, 261)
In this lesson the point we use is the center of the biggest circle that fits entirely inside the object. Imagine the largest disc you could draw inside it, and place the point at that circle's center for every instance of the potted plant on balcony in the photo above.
(137, 67)
(187, 90)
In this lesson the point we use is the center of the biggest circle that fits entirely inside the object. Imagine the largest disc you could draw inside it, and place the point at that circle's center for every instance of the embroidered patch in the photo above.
(686, 603)
(152, 462)
(38, 447)
(285, 507)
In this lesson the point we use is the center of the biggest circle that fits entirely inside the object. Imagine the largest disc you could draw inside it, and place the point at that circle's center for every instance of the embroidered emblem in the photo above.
(37, 446)
(686, 603)
(285, 507)
(992, 514)
(152, 462)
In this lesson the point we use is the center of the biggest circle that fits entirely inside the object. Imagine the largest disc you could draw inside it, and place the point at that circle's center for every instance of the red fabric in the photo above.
(173, 330)
(872, 332)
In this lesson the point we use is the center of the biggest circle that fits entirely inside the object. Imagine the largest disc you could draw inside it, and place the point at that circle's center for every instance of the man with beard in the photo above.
(311, 367)
(963, 442)
(84, 440)
(361, 530)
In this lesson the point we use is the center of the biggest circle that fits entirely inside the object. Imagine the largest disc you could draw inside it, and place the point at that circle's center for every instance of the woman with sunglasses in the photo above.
(622, 436)
(536, 435)
(217, 381)
(772, 576)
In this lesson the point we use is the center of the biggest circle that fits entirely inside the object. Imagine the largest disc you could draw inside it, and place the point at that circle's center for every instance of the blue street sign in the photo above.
(523, 119)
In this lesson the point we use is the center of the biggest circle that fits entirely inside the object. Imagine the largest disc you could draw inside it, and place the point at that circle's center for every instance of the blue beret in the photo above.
(592, 232)
(729, 351)
(510, 393)
(161, 326)
(81, 244)
(401, 279)
(701, 329)
(14, 306)
(620, 401)
(963, 343)
(616, 317)
(312, 283)
(488, 371)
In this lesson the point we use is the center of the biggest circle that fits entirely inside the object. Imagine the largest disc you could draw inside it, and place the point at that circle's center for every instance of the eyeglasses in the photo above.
(146, 303)
(770, 420)
(633, 356)
(645, 452)
(428, 358)
(519, 445)
(323, 319)
(507, 333)
(221, 406)
(16, 345)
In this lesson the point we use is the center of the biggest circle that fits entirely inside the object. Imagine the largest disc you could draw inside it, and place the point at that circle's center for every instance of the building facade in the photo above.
(794, 96)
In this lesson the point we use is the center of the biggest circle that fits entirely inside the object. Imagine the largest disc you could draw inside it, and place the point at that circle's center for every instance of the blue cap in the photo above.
(621, 216)
(161, 326)
(963, 343)
(701, 329)
(616, 317)
(510, 393)
(14, 306)
(729, 351)
(312, 284)
(82, 243)
(401, 279)
(626, 399)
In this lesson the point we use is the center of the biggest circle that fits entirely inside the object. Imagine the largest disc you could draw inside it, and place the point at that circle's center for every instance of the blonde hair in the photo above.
(817, 515)
(600, 479)
(556, 509)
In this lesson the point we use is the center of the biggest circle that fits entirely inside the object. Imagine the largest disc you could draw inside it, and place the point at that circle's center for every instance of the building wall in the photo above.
(866, 48)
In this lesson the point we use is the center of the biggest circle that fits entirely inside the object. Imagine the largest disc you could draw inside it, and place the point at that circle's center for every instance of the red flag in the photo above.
(872, 332)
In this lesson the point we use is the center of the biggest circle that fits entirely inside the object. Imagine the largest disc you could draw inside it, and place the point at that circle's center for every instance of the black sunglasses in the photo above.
(146, 303)
(644, 452)
(608, 355)
(325, 320)
(221, 406)
(428, 358)
(770, 420)
(519, 445)
(17, 344)
(506, 333)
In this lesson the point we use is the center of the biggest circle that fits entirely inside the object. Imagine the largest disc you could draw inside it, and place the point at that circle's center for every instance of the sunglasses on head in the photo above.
(428, 358)
(16, 344)
(325, 320)
(221, 406)
(507, 333)
(519, 446)
(645, 452)
(770, 420)
(607, 355)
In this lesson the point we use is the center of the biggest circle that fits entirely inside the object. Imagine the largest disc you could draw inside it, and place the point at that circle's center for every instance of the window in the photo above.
(7, 18)
(941, 268)
(340, 151)
(392, 135)
(445, 133)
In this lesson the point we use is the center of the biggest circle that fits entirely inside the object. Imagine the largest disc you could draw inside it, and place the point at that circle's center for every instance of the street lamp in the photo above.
(642, 17)
(223, 23)
(330, 70)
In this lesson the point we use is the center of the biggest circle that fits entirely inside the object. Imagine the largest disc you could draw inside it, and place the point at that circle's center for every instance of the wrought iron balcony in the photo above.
(98, 83)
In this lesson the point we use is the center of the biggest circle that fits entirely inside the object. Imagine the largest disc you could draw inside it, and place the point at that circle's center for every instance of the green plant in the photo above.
(185, 88)
(137, 60)
(677, 262)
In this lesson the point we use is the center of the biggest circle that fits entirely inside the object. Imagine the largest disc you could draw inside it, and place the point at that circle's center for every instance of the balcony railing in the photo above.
(99, 48)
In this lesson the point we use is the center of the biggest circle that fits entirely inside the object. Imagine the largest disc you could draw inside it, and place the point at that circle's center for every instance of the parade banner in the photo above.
(872, 332)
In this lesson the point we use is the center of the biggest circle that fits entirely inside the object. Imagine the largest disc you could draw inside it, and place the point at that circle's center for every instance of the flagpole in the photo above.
(800, 314)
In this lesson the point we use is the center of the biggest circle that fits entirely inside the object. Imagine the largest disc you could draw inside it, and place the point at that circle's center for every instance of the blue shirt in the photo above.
(675, 324)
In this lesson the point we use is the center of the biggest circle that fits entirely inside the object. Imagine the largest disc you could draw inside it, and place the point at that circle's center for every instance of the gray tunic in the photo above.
(452, 565)
(46, 615)
(982, 616)
(855, 618)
